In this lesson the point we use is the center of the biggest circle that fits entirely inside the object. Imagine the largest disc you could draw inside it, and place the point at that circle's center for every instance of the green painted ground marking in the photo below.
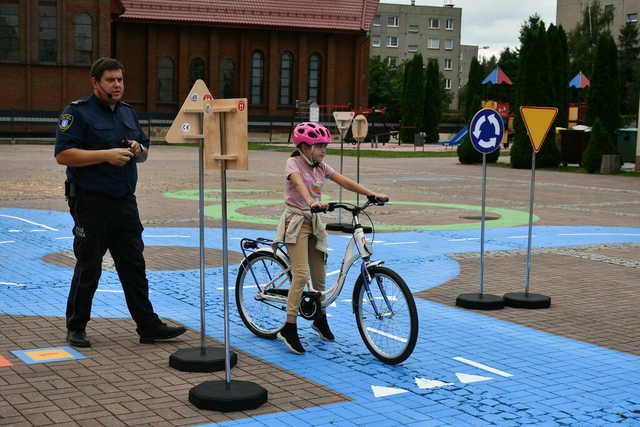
(508, 217)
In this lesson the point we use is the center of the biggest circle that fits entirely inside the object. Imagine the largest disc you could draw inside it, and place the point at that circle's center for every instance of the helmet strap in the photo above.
(310, 162)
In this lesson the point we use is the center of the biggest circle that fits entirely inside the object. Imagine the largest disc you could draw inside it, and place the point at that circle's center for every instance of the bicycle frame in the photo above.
(362, 251)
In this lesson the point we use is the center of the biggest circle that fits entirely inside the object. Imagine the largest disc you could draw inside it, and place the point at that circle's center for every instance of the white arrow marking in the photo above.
(29, 222)
(379, 391)
(424, 383)
(467, 378)
(496, 125)
(386, 334)
(11, 284)
(333, 304)
(479, 123)
(333, 272)
(488, 143)
(484, 367)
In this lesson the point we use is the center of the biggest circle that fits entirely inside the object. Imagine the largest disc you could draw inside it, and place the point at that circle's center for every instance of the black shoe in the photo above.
(322, 327)
(161, 332)
(78, 338)
(289, 335)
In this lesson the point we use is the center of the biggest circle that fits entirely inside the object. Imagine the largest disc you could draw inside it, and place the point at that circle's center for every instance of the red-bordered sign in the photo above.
(241, 106)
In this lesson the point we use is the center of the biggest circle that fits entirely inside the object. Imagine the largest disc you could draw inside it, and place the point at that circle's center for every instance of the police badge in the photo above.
(65, 122)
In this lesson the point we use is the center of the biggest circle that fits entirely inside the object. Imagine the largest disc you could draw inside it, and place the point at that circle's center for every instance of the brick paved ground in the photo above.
(123, 383)
(592, 287)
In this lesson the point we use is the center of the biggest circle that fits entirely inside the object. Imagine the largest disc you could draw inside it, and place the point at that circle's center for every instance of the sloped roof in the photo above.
(349, 15)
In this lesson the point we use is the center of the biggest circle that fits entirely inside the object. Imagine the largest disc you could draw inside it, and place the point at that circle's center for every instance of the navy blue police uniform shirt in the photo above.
(89, 124)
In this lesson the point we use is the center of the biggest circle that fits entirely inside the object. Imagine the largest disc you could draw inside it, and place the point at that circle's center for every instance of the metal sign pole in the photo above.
(357, 171)
(227, 395)
(203, 359)
(538, 121)
(340, 186)
(485, 132)
(529, 235)
(202, 259)
(484, 192)
(225, 253)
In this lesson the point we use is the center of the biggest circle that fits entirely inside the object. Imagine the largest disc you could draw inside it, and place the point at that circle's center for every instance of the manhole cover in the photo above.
(479, 218)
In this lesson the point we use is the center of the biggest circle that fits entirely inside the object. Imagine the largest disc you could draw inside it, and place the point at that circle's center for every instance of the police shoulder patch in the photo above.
(65, 122)
(79, 101)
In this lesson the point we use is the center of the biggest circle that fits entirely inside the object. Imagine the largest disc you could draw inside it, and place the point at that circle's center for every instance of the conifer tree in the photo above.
(412, 99)
(432, 102)
(604, 96)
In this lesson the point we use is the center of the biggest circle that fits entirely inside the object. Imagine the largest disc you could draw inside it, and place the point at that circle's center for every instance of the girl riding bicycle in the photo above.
(302, 231)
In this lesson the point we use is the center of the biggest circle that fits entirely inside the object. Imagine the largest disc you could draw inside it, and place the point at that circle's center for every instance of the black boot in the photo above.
(322, 327)
(289, 335)
(160, 332)
(78, 338)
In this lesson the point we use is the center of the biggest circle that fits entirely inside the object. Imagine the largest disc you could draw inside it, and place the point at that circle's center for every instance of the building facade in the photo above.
(273, 53)
(569, 13)
(401, 31)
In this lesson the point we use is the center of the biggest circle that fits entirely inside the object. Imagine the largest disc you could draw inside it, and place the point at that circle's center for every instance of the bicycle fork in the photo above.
(364, 267)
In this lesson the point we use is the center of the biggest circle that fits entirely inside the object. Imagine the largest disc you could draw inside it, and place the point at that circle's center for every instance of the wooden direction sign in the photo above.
(538, 121)
(199, 120)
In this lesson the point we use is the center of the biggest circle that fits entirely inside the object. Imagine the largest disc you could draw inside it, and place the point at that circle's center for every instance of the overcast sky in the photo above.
(494, 23)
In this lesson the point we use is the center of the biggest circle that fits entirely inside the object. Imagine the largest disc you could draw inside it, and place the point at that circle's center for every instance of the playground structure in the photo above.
(380, 129)
(577, 106)
(497, 88)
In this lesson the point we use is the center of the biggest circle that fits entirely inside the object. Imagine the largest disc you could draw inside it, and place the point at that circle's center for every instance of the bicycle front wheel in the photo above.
(262, 270)
(387, 317)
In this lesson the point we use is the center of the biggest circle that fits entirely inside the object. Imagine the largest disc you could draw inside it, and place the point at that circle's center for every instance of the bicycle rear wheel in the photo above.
(390, 335)
(263, 318)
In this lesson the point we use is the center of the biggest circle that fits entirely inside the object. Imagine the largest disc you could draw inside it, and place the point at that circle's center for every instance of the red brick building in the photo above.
(272, 52)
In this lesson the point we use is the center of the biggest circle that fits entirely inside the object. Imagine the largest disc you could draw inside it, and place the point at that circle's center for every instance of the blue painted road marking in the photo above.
(554, 379)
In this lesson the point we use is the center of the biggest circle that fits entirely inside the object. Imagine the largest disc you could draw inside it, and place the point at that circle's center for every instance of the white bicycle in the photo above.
(384, 308)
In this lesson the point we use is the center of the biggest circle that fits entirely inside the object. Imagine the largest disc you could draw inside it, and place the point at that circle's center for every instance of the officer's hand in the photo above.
(135, 147)
(118, 156)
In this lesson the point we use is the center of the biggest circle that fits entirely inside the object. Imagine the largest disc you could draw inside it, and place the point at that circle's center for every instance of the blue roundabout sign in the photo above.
(486, 130)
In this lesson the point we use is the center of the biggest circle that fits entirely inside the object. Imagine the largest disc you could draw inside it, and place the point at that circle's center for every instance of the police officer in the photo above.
(100, 141)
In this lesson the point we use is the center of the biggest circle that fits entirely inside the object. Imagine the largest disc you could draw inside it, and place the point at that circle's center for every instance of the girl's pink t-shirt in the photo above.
(314, 179)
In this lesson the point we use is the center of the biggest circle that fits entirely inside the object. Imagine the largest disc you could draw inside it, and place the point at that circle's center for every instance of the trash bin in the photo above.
(626, 144)
(572, 144)
(418, 141)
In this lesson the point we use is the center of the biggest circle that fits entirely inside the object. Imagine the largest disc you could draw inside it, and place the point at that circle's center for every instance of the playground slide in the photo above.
(457, 138)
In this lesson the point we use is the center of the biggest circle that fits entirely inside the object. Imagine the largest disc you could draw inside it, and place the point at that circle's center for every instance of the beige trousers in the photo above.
(304, 256)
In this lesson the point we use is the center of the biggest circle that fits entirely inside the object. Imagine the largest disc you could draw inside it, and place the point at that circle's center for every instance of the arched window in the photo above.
(315, 65)
(257, 78)
(286, 74)
(197, 70)
(9, 31)
(166, 80)
(48, 31)
(227, 76)
(84, 38)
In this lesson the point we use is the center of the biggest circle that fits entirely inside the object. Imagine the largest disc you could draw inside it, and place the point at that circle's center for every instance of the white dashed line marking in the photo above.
(483, 367)
(12, 284)
(7, 241)
(387, 335)
(30, 222)
(399, 243)
(462, 240)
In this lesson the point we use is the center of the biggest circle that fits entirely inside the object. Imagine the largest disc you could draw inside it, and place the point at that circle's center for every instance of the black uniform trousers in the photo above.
(101, 223)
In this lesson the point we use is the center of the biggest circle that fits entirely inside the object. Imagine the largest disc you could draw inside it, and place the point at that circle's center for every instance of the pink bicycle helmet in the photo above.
(310, 133)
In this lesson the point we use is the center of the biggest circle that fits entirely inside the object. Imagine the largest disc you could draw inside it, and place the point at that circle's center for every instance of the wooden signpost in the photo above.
(220, 126)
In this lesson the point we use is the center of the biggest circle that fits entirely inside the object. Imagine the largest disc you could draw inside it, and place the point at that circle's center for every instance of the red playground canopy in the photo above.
(497, 77)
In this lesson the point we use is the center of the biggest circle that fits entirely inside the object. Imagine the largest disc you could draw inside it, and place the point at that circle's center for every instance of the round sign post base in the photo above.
(196, 360)
(227, 397)
(477, 301)
(526, 300)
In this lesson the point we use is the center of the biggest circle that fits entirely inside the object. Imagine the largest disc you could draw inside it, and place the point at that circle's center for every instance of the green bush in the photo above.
(469, 155)
(600, 143)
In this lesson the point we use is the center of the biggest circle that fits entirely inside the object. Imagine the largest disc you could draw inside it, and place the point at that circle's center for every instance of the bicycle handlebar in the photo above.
(371, 200)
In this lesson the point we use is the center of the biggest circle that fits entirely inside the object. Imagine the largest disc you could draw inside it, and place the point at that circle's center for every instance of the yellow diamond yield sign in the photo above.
(538, 120)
